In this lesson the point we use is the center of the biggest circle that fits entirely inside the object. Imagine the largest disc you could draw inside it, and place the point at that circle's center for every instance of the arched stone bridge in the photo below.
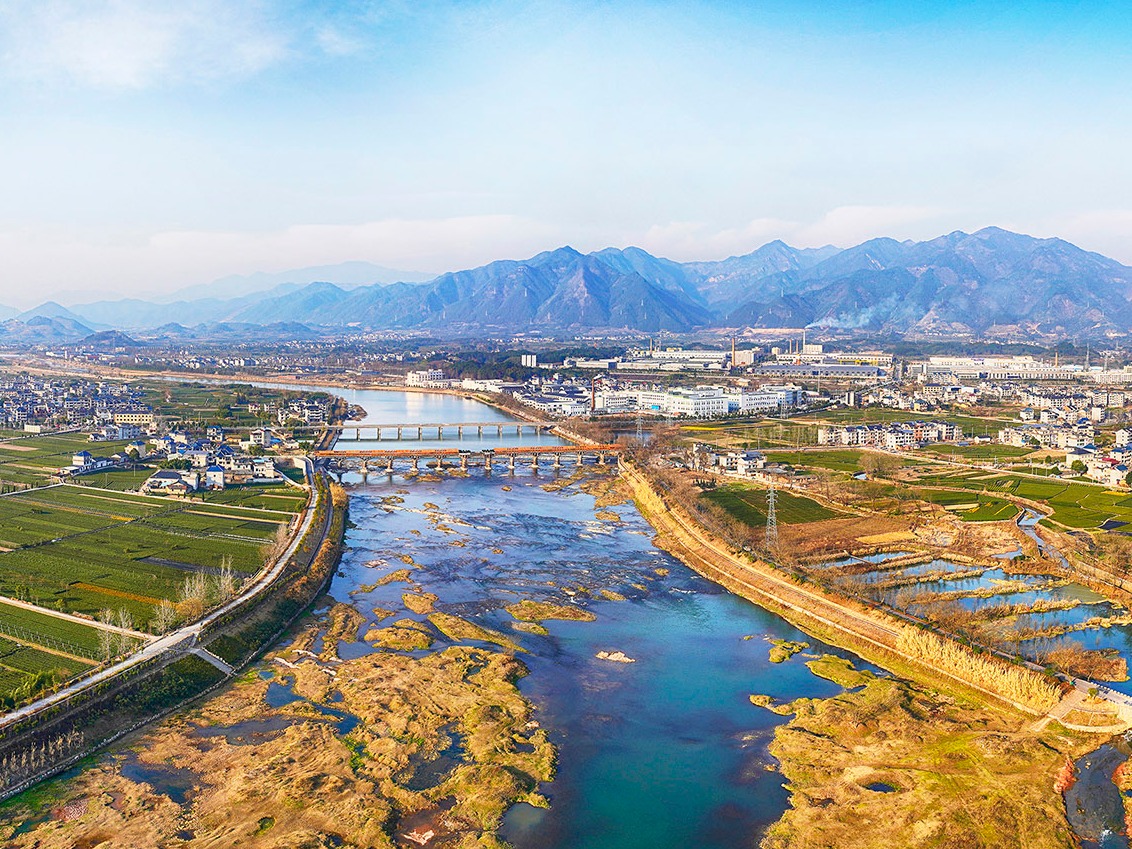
(385, 459)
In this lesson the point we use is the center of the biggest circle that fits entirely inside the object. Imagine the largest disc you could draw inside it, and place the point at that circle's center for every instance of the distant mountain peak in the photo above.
(975, 283)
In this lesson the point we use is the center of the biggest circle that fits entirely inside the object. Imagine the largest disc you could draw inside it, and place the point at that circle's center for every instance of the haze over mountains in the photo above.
(989, 282)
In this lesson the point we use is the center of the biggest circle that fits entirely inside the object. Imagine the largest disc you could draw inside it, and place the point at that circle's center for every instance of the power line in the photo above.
(771, 521)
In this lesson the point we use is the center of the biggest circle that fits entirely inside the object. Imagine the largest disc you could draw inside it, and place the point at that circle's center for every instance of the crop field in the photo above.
(271, 497)
(991, 451)
(33, 460)
(16, 623)
(42, 515)
(121, 480)
(748, 505)
(834, 459)
(1074, 505)
(81, 549)
(20, 664)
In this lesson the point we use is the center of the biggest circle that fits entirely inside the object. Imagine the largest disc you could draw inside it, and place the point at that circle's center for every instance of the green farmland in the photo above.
(969, 506)
(834, 459)
(81, 550)
(1074, 505)
(989, 451)
(21, 665)
(748, 505)
(32, 461)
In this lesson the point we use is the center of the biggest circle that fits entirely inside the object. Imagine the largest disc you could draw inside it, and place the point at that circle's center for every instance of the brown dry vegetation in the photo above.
(419, 602)
(962, 775)
(529, 610)
(1098, 665)
(321, 788)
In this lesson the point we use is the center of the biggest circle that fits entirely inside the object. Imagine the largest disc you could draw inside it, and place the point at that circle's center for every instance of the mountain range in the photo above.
(990, 282)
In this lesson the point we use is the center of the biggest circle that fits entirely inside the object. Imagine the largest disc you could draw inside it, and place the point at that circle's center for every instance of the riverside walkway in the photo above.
(184, 639)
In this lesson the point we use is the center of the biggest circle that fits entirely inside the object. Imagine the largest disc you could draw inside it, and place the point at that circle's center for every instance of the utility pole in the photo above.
(771, 521)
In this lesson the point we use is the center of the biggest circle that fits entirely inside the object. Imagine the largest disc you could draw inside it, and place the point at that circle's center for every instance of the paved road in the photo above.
(187, 635)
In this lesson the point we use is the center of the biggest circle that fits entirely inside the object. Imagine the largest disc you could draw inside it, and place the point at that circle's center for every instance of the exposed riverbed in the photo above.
(658, 742)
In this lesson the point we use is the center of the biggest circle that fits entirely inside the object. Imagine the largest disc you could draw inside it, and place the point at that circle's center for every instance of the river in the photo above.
(662, 752)
(667, 751)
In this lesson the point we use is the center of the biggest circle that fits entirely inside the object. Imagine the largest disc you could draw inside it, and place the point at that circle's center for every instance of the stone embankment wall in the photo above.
(53, 740)
(876, 635)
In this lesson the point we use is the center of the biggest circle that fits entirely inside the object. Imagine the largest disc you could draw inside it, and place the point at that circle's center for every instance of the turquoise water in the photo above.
(664, 752)
(390, 407)
(1090, 604)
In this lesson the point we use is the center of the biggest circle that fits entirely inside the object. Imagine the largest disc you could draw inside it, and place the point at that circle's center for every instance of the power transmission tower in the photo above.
(640, 428)
(771, 521)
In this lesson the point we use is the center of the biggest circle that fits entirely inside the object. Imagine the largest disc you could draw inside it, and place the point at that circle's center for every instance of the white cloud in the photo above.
(851, 225)
(38, 264)
(692, 240)
(842, 226)
(115, 44)
(1106, 231)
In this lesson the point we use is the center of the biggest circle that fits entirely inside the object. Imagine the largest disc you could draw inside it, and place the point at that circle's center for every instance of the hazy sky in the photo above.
(146, 146)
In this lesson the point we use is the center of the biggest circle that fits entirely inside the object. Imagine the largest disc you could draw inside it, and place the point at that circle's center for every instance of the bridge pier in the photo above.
(398, 431)
(416, 464)
(601, 458)
(479, 430)
(511, 463)
(557, 461)
(464, 462)
(534, 461)
(499, 430)
(440, 433)
(389, 465)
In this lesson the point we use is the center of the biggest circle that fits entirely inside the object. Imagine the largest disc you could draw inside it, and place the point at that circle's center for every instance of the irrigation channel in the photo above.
(662, 752)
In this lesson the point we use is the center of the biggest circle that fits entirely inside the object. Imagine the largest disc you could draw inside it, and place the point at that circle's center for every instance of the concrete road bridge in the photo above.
(424, 430)
(386, 459)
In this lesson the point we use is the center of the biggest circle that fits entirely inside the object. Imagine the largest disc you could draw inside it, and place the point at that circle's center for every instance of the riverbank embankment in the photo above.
(883, 639)
(56, 732)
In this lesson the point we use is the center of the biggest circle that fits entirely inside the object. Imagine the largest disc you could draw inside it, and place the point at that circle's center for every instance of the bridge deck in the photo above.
(414, 425)
(456, 452)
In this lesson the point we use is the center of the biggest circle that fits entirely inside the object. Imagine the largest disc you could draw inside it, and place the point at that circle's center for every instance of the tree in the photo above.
(107, 642)
(1078, 466)
(879, 464)
(164, 617)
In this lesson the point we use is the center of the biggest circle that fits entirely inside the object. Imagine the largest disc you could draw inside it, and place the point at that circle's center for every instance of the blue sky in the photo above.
(147, 146)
